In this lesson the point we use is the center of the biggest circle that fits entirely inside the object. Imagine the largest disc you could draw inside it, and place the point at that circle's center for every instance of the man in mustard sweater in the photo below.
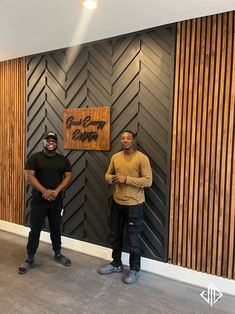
(130, 172)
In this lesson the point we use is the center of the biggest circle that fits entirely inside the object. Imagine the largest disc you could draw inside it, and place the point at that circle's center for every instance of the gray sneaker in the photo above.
(109, 269)
(26, 266)
(132, 276)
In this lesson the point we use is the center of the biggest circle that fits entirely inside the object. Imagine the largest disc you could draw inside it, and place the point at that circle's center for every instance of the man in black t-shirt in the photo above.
(49, 173)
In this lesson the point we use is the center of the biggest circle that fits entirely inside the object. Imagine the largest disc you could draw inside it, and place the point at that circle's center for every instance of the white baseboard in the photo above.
(185, 275)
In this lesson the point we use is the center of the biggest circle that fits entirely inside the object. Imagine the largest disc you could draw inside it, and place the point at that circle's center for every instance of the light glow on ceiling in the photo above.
(90, 4)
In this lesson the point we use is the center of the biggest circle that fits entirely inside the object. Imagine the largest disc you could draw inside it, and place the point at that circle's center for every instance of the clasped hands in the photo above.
(49, 195)
(118, 178)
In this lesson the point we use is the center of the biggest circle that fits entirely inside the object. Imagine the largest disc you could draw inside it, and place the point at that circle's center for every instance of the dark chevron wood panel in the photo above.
(132, 75)
(154, 132)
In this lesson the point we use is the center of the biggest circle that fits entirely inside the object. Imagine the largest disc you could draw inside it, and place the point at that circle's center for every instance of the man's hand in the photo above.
(55, 193)
(119, 178)
(48, 195)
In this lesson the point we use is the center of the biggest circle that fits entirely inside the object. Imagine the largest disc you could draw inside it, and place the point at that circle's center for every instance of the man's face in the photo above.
(127, 140)
(50, 144)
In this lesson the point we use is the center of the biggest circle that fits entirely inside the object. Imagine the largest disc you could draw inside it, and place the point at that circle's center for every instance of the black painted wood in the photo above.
(133, 75)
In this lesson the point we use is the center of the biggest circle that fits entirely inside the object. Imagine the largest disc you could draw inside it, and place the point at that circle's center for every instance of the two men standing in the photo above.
(49, 173)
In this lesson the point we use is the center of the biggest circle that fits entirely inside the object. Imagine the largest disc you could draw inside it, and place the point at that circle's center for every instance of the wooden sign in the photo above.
(87, 128)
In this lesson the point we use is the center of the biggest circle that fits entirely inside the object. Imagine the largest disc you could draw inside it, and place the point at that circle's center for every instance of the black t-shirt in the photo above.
(49, 170)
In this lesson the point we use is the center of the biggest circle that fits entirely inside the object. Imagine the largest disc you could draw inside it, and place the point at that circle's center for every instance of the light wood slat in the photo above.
(181, 129)
(183, 166)
(12, 144)
(173, 149)
(199, 145)
(215, 136)
(231, 145)
(220, 165)
(194, 150)
(190, 143)
(210, 156)
(231, 269)
(202, 201)
(177, 187)
(206, 143)
(227, 150)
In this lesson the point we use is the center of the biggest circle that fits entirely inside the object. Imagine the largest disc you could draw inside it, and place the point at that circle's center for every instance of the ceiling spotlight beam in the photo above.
(90, 4)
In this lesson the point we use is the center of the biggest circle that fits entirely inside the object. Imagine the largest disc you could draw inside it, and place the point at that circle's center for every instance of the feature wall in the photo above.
(133, 75)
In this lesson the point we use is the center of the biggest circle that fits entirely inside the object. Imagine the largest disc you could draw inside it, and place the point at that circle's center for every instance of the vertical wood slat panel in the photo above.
(12, 140)
(182, 113)
(212, 113)
(194, 195)
(200, 141)
(202, 209)
(216, 128)
(206, 143)
(226, 159)
(172, 225)
(231, 144)
(191, 142)
(221, 146)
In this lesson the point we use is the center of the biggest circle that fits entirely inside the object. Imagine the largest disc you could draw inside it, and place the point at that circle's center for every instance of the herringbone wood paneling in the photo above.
(12, 140)
(202, 215)
(132, 75)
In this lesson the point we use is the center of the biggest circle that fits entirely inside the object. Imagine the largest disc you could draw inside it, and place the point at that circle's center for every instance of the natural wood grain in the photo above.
(203, 146)
(12, 144)
(87, 128)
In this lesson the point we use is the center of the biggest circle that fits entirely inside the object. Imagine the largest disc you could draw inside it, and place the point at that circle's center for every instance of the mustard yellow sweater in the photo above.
(139, 175)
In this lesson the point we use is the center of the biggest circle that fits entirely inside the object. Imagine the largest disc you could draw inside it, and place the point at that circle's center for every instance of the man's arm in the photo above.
(110, 172)
(33, 181)
(145, 179)
(64, 183)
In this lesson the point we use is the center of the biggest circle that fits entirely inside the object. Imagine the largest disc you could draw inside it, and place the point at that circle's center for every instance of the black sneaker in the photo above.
(109, 269)
(62, 259)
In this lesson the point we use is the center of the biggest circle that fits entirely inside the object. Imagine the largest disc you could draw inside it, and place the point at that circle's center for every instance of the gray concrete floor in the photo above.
(52, 288)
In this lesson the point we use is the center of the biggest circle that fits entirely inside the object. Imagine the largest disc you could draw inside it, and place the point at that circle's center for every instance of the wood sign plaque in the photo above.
(87, 128)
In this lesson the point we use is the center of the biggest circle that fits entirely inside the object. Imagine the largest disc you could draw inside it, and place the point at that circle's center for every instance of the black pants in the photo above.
(133, 217)
(38, 212)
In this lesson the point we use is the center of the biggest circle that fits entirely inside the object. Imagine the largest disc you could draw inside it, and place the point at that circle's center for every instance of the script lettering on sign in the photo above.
(87, 128)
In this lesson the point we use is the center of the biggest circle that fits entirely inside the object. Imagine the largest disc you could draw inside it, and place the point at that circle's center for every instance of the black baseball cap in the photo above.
(50, 134)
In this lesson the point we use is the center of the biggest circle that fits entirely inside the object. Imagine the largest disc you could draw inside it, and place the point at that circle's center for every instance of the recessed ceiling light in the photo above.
(90, 4)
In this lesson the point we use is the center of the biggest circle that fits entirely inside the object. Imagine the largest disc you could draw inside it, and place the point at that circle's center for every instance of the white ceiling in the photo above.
(29, 26)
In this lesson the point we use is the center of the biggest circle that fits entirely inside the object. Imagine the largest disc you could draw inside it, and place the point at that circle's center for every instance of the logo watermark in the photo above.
(212, 295)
